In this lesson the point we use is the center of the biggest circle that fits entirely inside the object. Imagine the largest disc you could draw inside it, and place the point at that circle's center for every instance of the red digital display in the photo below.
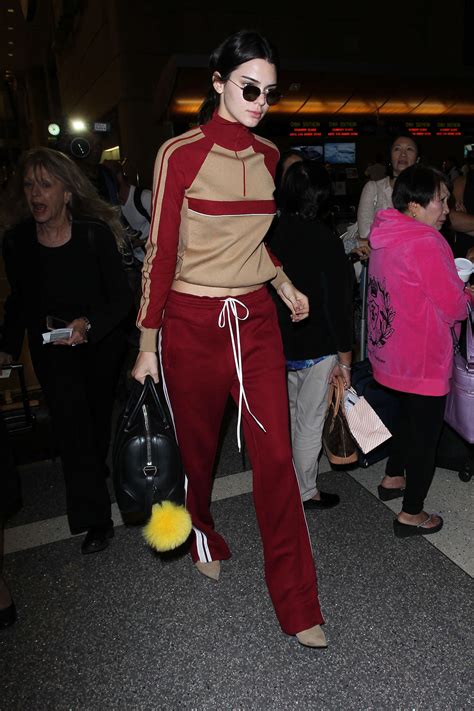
(452, 128)
(419, 128)
(306, 131)
(342, 132)
(342, 128)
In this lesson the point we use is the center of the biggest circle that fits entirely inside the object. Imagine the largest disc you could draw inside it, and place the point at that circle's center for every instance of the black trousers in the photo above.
(414, 445)
(79, 386)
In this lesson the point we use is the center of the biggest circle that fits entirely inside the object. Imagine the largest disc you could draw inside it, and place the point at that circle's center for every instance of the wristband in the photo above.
(87, 322)
(342, 365)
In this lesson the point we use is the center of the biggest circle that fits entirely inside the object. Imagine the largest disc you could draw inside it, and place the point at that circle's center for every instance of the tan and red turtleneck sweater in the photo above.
(212, 206)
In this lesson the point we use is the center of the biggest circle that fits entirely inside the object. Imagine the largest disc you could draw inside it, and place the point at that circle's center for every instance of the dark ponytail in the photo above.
(237, 49)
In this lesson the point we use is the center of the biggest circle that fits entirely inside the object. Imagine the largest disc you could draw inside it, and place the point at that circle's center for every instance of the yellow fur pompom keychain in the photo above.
(169, 526)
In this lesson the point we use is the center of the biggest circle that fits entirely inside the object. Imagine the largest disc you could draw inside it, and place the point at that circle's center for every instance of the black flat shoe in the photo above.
(327, 501)
(7, 616)
(386, 494)
(404, 530)
(97, 538)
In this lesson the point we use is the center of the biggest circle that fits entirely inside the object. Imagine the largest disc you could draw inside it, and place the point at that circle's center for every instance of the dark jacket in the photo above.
(101, 285)
(313, 258)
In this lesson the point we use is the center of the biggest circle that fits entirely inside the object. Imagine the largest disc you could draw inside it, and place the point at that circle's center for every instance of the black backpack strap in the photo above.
(137, 201)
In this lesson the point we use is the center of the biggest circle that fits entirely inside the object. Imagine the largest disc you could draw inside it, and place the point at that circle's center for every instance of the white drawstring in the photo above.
(228, 310)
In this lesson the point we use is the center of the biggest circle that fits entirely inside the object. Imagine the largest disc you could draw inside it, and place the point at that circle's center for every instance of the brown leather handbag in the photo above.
(339, 445)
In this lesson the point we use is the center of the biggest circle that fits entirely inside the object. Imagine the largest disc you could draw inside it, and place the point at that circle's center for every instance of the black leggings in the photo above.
(414, 445)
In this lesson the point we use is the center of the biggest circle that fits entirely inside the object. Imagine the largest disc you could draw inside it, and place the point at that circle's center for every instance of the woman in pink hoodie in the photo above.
(415, 296)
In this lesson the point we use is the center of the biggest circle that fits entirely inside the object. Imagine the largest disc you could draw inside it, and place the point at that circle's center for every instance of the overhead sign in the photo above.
(101, 127)
(423, 128)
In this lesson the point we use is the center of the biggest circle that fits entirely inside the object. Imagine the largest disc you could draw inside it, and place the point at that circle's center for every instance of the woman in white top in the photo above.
(377, 195)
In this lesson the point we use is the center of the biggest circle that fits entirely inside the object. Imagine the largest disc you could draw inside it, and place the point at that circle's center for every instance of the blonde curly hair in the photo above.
(85, 200)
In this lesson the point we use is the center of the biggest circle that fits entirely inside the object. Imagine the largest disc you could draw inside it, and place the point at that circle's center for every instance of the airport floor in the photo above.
(127, 629)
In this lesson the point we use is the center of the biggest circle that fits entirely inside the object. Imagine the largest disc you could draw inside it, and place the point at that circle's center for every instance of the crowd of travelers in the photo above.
(236, 299)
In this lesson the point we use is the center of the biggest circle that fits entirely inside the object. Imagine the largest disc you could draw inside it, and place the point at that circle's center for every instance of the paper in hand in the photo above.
(59, 334)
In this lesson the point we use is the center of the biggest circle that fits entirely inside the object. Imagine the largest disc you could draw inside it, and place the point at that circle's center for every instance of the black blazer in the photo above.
(103, 290)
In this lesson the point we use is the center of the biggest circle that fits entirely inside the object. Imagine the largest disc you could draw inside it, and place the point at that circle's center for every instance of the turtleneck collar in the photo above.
(228, 134)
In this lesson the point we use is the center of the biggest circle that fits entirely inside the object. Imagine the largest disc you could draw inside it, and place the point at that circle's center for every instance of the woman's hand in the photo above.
(470, 289)
(146, 364)
(78, 335)
(295, 300)
(342, 368)
(344, 373)
(5, 359)
(362, 249)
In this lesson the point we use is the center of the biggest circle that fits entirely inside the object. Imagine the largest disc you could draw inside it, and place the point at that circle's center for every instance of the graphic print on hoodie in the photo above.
(380, 314)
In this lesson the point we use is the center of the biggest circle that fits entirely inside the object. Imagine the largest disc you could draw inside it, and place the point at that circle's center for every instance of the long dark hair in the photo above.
(306, 191)
(241, 47)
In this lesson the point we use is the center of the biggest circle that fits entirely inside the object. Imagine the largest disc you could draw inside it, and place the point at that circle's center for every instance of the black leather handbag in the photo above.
(148, 474)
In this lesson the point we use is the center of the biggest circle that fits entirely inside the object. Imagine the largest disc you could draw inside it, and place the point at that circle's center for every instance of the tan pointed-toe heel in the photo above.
(313, 637)
(210, 570)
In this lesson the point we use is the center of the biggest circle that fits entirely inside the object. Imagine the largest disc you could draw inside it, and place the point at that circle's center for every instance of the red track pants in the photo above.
(199, 371)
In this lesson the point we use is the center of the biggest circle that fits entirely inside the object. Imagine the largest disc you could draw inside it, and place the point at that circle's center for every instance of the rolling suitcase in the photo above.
(455, 453)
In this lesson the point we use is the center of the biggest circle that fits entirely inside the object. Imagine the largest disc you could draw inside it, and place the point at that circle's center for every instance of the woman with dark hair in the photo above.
(64, 269)
(415, 297)
(205, 295)
(377, 195)
(287, 158)
(319, 348)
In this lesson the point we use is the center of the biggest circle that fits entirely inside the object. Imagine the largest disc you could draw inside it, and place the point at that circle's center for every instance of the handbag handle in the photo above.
(469, 340)
(338, 391)
(148, 386)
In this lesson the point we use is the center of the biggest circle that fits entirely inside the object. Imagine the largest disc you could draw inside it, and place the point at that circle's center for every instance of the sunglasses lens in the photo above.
(250, 92)
(273, 97)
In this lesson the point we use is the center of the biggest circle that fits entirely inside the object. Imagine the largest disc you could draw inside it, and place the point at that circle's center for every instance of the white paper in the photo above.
(59, 334)
(5, 372)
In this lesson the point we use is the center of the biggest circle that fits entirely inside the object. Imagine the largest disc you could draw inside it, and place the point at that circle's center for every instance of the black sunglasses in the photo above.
(250, 92)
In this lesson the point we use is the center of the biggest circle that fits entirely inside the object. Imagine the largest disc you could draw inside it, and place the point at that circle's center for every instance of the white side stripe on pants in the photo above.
(201, 539)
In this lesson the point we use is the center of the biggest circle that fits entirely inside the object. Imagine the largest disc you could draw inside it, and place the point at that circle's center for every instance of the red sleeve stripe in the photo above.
(159, 185)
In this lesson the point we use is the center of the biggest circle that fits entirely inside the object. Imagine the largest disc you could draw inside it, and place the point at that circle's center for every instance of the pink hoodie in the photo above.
(414, 296)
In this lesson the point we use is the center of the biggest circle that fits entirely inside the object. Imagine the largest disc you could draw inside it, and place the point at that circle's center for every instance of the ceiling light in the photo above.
(10, 28)
(78, 125)
(10, 54)
(10, 9)
(10, 42)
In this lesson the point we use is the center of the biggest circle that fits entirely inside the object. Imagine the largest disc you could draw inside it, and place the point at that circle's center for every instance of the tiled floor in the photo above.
(126, 629)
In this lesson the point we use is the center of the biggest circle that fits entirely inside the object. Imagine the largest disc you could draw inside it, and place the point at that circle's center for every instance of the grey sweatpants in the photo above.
(307, 393)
